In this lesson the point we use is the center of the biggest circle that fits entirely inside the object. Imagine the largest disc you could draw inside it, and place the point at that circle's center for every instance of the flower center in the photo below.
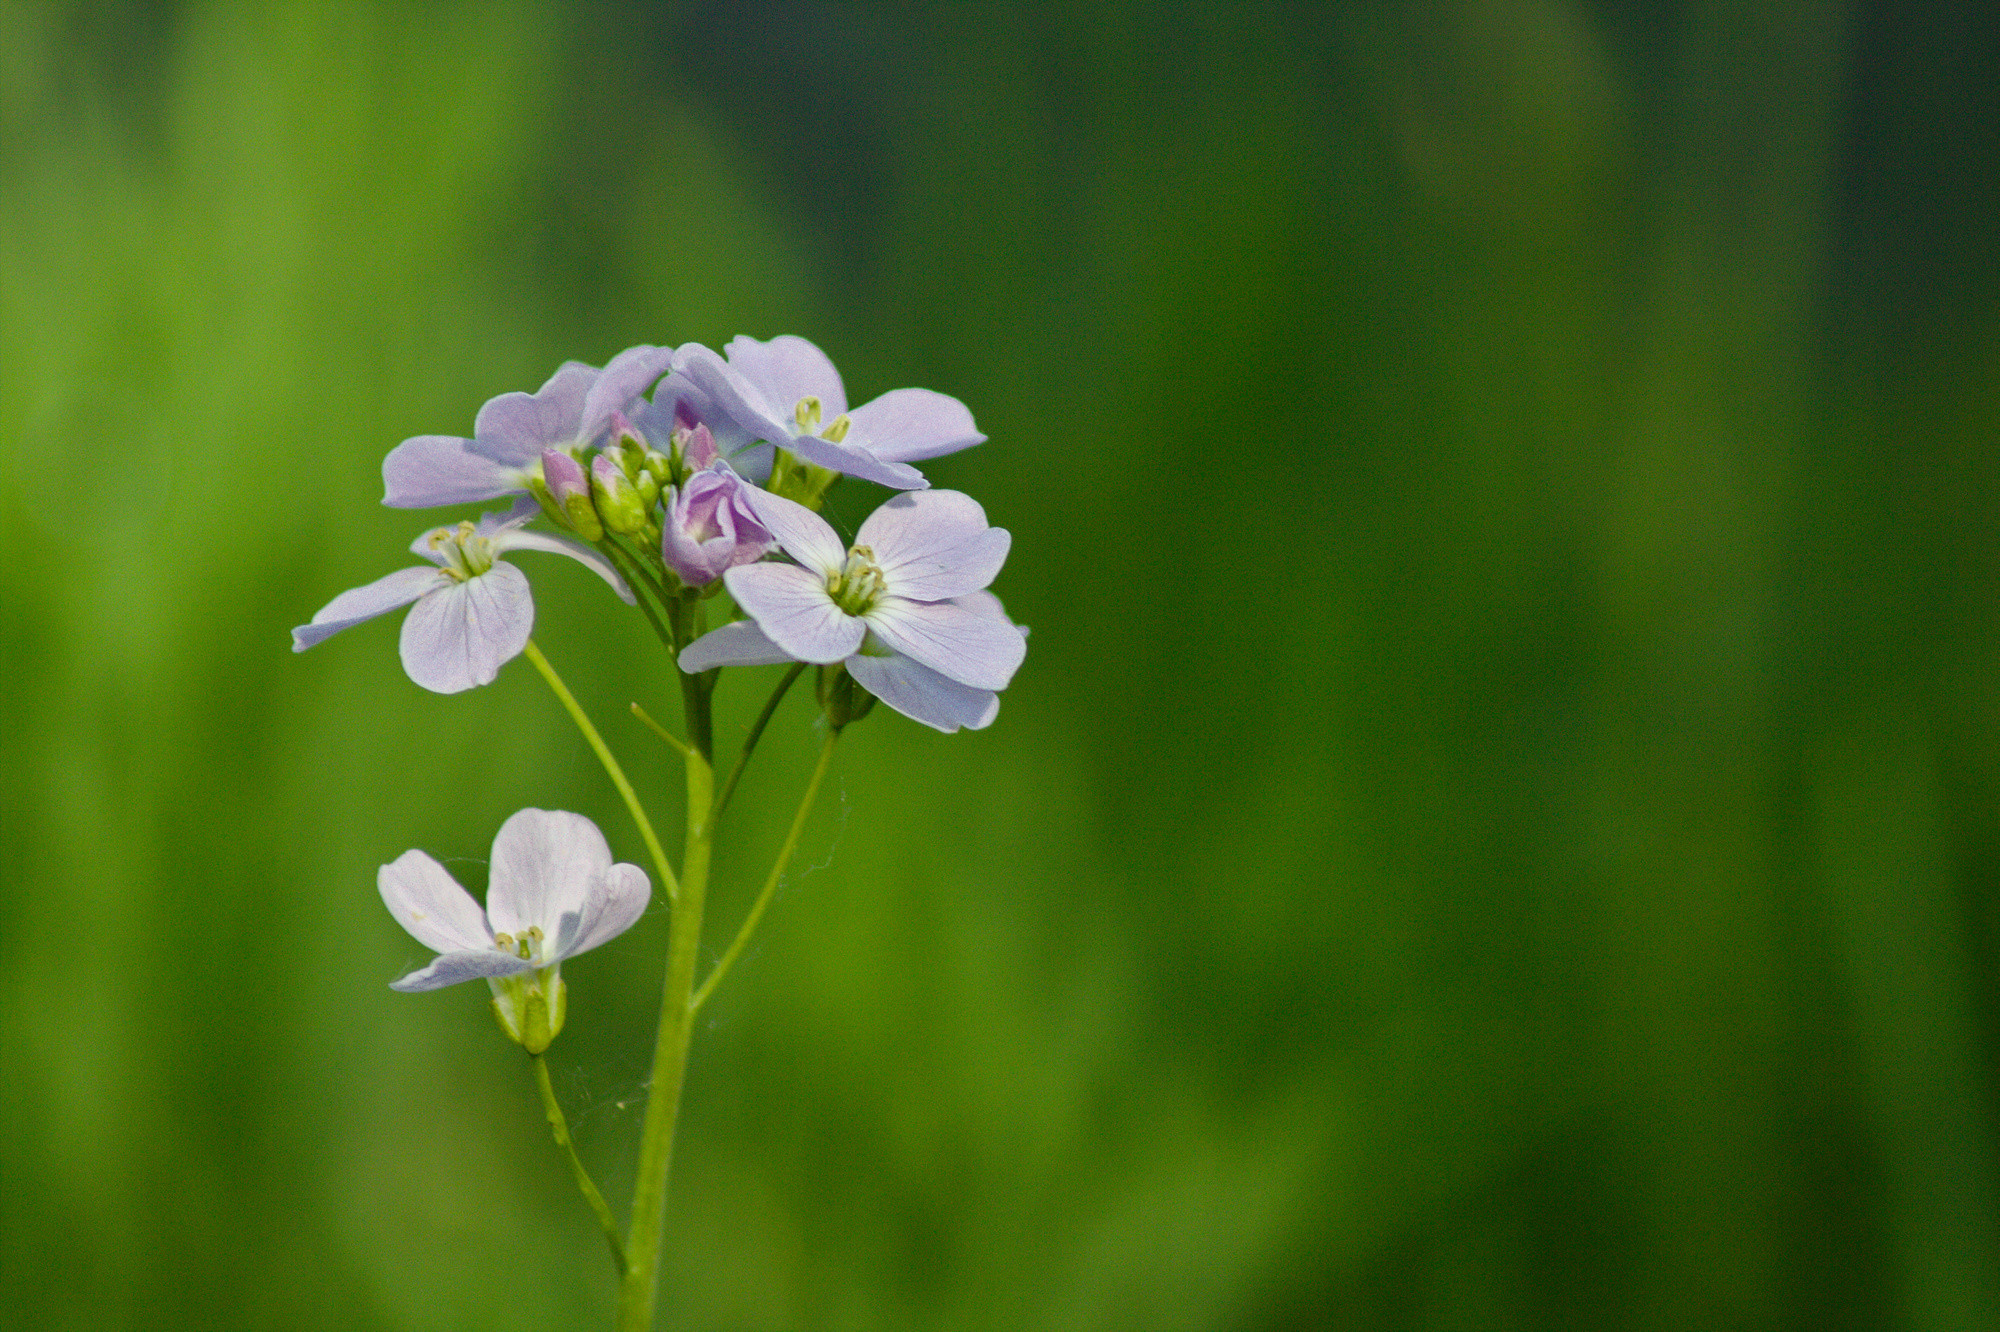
(807, 414)
(859, 584)
(465, 555)
(527, 946)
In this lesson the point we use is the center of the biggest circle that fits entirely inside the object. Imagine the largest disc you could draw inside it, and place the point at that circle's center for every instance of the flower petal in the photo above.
(616, 902)
(786, 369)
(461, 634)
(906, 425)
(850, 460)
(365, 603)
(934, 544)
(516, 427)
(957, 641)
(921, 694)
(629, 374)
(451, 968)
(792, 607)
(731, 406)
(544, 864)
(805, 535)
(552, 544)
(428, 902)
(431, 470)
(738, 644)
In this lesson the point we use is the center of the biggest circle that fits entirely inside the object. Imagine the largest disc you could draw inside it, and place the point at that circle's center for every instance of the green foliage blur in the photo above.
(1499, 825)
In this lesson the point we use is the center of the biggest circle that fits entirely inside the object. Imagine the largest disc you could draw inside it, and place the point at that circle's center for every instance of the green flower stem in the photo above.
(617, 774)
(560, 1128)
(696, 690)
(756, 731)
(636, 574)
(678, 745)
(670, 1052)
(770, 884)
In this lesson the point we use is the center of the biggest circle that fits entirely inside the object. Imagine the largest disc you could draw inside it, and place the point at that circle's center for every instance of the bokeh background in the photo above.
(1499, 824)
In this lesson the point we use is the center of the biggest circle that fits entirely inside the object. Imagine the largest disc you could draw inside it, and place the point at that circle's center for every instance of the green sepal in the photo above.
(524, 1010)
(796, 479)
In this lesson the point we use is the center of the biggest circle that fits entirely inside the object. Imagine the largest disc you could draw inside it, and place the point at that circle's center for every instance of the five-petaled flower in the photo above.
(552, 892)
(903, 608)
(786, 391)
(474, 611)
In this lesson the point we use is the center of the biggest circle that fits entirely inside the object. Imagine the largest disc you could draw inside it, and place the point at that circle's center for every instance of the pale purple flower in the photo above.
(908, 686)
(473, 611)
(903, 607)
(710, 527)
(569, 413)
(786, 391)
(552, 892)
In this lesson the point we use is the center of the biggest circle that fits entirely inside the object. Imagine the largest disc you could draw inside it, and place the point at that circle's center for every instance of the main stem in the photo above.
(636, 1297)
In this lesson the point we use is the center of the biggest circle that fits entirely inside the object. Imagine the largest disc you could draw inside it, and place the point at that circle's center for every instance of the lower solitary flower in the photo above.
(552, 892)
(474, 611)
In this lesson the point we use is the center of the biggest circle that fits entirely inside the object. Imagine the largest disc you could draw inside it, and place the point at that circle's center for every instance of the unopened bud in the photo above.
(618, 501)
(569, 491)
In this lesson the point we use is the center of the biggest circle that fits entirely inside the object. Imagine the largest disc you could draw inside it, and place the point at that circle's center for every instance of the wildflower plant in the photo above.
(691, 482)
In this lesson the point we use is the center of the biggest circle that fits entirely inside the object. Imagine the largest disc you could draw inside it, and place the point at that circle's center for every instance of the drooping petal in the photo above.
(629, 374)
(786, 369)
(461, 634)
(544, 864)
(616, 902)
(516, 427)
(430, 904)
(738, 644)
(953, 640)
(805, 535)
(934, 544)
(365, 603)
(451, 968)
(910, 424)
(850, 459)
(428, 471)
(552, 544)
(728, 404)
(793, 608)
(921, 694)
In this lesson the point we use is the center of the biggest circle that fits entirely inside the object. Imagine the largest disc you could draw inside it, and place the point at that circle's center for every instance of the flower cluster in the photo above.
(683, 472)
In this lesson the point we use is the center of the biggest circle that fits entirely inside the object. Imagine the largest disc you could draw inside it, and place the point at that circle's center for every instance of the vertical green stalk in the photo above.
(640, 1290)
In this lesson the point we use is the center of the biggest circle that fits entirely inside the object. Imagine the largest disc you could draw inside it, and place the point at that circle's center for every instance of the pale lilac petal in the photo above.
(726, 402)
(544, 863)
(805, 535)
(791, 605)
(428, 471)
(921, 694)
(786, 369)
(908, 425)
(516, 427)
(451, 968)
(738, 644)
(550, 543)
(461, 634)
(970, 647)
(616, 902)
(365, 603)
(629, 374)
(746, 450)
(850, 460)
(428, 902)
(933, 544)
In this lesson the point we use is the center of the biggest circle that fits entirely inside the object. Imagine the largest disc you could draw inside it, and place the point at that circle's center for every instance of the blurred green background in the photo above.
(1499, 824)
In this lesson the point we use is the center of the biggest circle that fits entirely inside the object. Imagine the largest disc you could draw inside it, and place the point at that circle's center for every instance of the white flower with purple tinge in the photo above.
(568, 413)
(786, 391)
(552, 892)
(710, 527)
(473, 611)
(903, 609)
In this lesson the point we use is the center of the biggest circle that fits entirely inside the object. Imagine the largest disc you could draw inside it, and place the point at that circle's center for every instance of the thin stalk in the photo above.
(616, 773)
(756, 731)
(770, 884)
(636, 573)
(680, 746)
(560, 1128)
(640, 1289)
